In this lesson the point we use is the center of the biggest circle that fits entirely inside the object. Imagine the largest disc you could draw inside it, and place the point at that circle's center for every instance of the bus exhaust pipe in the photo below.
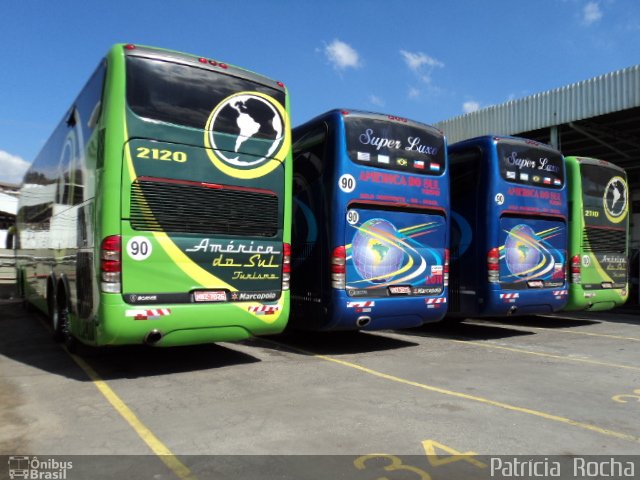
(363, 321)
(512, 309)
(153, 337)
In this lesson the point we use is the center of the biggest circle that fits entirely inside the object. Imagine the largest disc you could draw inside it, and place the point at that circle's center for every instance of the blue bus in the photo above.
(508, 228)
(370, 223)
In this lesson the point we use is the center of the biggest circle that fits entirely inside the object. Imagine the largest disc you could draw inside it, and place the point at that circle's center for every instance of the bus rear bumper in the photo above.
(187, 324)
(595, 300)
(351, 313)
(524, 302)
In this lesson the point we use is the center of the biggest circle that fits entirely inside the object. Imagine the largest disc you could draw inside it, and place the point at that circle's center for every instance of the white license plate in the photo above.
(400, 290)
(211, 296)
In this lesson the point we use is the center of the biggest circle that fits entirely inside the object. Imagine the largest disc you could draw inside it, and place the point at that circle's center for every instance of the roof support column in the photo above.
(554, 137)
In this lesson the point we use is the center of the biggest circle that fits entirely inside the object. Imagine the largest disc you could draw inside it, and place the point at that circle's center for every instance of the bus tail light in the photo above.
(111, 264)
(446, 267)
(575, 269)
(339, 268)
(493, 265)
(286, 266)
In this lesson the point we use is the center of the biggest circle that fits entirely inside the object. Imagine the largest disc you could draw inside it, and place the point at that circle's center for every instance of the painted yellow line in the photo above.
(560, 330)
(159, 448)
(547, 355)
(156, 446)
(465, 396)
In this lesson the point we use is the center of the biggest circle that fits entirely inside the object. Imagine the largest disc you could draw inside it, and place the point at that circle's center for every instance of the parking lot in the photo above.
(565, 385)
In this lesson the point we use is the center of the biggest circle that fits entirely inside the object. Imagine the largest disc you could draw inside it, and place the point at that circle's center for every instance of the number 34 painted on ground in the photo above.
(435, 460)
(621, 398)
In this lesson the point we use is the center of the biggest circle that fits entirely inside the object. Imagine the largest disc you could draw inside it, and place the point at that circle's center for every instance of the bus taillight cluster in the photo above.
(111, 264)
(575, 269)
(286, 265)
(446, 267)
(493, 265)
(338, 267)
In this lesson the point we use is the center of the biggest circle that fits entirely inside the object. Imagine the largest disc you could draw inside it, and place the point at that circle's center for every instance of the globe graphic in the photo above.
(247, 124)
(375, 253)
(522, 254)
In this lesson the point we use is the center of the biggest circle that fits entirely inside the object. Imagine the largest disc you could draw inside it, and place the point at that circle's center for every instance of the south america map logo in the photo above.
(615, 199)
(247, 134)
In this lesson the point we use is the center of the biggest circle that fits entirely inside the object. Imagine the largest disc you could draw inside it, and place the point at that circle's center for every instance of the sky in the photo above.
(427, 60)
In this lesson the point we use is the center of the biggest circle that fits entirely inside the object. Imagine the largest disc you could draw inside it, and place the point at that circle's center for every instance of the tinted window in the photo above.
(605, 195)
(388, 144)
(186, 95)
(464, 169)
(530, 165)
(308, 157)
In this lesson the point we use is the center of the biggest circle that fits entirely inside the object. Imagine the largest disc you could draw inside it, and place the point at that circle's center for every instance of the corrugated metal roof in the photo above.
(612, 92)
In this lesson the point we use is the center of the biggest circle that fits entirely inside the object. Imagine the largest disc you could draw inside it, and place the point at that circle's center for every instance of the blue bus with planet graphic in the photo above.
(370, 223)
(509, 231)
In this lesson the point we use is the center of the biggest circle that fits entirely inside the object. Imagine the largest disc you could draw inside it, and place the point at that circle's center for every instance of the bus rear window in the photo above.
(390, 145)
(530, 165)
(604, 194)
(185, 95)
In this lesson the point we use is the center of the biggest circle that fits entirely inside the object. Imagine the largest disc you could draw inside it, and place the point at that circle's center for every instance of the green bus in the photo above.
(598, 234)
(159, 209)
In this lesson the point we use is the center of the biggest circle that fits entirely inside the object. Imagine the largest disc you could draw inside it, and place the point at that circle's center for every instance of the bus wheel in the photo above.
(58, 314)
(52, 310)
(61, 329)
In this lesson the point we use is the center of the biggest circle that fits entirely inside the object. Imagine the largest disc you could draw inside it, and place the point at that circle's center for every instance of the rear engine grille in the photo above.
(603, 240)
(187, 207)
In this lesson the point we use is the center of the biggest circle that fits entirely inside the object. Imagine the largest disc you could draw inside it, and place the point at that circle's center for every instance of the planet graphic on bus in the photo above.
(377, 254)
(247, 129)
(521, 250)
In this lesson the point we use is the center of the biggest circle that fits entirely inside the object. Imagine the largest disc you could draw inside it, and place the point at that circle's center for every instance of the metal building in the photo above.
(598, 118)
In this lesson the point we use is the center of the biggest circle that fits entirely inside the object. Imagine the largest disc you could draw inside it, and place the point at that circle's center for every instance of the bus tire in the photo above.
(61, 327)
(52, 307)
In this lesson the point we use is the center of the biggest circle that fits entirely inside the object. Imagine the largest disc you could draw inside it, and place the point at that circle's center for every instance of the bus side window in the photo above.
(465, 169)
(308, 156)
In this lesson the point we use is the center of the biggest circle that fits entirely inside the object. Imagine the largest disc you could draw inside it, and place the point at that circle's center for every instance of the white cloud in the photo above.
(342, 55)
(422, 65)
(470, 106)
(415, 61)
(591, 13)
(414, 92)
(12, 167)
(376, 100)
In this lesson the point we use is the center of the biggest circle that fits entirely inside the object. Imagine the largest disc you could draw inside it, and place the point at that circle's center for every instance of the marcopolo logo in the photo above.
(615, 199)
(41, 469)
(247, 135)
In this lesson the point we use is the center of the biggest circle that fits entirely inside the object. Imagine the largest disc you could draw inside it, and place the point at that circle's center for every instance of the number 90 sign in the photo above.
(347, 183)
(139, 248)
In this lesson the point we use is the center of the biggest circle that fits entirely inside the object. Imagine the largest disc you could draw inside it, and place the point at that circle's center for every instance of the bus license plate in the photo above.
(607, 285)
(400, 290)
(210, 296)
(535, 283)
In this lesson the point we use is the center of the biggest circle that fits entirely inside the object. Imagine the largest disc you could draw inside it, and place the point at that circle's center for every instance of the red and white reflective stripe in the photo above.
(561, 292)
(144, 313)
(509, 295)
(431, 301)
(366, 304)
(264, 309)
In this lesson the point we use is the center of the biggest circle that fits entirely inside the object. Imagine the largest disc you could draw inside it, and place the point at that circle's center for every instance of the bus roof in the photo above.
(595, 161)
(488, 138)
(199, 62)
(373, 116)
